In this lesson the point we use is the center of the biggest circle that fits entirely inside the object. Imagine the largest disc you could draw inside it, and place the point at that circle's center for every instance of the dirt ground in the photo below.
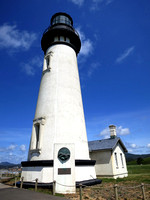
(106, 192)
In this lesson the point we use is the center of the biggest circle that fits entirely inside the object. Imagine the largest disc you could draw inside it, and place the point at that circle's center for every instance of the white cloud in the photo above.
(29, 70)
(87, 45)
(109, 1)
(30, 67)
(77, 2)
(136, 148)
(119, 131)
(86, 48)
(96, 3)
(13, 153)
(122, 131)
(12, 147)
(105, 132)
(13, 38)
(130, 150)
(23, 147)
(125, 54)
(92, 68)
(2, 149)
(148, 145)
(103, 1)
(81, 34)
(8, 149)
(133, 146)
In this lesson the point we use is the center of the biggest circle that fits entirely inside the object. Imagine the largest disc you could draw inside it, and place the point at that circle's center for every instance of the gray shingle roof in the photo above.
(106, 144)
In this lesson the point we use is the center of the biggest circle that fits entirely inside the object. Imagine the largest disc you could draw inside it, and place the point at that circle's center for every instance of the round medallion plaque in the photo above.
(63, 154)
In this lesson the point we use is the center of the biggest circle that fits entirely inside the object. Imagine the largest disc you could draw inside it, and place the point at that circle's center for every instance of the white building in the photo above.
(59, 148)
(109, 155)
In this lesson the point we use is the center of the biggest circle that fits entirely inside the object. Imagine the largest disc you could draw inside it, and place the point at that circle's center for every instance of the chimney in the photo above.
(112, 129)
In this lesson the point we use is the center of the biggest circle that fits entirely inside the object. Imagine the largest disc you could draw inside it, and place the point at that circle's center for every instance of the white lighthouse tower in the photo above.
(59, 149)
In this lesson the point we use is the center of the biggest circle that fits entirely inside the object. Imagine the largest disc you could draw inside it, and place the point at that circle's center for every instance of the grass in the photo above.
(138, 169)
(146, 161)
(10, 180)
(46, 191)
(137, 174)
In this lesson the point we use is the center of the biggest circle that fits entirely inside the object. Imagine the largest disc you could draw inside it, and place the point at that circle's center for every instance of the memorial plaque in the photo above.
(64, 154)
(63, 171)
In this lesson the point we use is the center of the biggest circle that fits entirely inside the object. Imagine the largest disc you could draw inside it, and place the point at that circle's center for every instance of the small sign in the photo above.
(63, 154)
(63, 171)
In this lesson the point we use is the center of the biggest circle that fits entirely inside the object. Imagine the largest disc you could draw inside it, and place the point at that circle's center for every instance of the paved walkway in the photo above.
(10, 193)
(3, 186)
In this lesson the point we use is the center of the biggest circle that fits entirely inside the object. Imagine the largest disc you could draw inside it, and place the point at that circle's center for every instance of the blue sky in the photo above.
(114, 67)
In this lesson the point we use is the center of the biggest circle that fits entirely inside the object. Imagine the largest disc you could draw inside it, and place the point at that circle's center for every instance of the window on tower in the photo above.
(61, 38)
(47, 61)
(37, 134)
(55, 38)
(67, 39)
(36, 139)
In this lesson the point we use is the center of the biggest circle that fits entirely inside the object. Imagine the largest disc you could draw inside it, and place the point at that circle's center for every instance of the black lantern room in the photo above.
(61, 31)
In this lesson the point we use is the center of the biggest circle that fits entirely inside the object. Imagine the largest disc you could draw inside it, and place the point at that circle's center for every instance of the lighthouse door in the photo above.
(64, 168)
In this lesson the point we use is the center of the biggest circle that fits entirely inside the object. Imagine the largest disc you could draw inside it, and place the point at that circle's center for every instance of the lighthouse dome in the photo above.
(61, 31)
(61, 18)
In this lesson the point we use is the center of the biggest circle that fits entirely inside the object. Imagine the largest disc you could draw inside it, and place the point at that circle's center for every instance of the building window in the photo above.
(122, 160)
(37, 132)
(46, 65)
(67, 39)
(47, 62)
(56, 39)
(37, 135)
(61, 38)
(116, 160)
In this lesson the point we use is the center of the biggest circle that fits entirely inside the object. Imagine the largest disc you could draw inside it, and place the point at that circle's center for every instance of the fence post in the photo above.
(36, 183)
(54, 185)
(21, 182)
(80, 185)
(116, 192)
(143, 191)
(15, 180)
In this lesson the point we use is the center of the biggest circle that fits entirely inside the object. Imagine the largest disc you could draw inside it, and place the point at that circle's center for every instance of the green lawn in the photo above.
(138, 169)
(137, 174)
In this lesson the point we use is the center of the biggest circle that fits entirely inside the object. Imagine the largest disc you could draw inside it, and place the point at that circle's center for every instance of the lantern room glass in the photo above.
(61, 19)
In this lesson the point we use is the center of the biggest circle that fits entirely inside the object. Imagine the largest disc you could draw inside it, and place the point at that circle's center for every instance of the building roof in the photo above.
(106, 144)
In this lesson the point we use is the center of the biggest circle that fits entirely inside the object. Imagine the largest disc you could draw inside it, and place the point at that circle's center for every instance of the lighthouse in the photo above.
(59, 148)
